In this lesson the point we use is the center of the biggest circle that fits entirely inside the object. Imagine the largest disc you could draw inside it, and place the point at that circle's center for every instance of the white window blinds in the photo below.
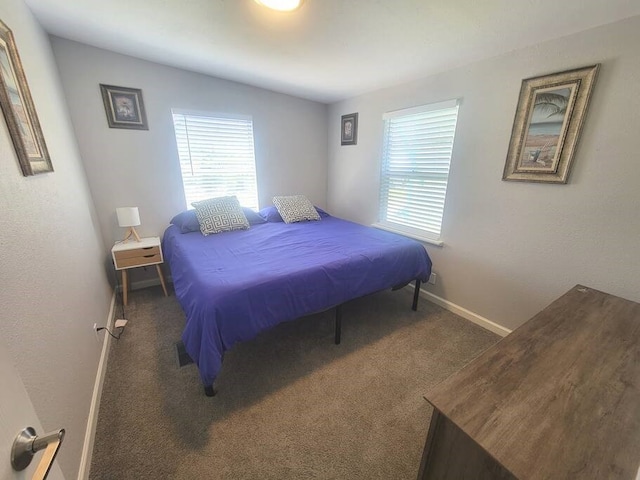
(216, 157)
(416, 155)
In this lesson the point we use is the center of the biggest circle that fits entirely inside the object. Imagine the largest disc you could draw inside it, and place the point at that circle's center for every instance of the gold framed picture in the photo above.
(19, 111)
(547, 125)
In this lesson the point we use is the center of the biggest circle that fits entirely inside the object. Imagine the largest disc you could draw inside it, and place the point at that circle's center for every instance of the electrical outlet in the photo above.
(95, 331)
(432, 278)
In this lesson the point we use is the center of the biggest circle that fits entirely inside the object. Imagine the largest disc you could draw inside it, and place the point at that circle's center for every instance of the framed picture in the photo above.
(549, 117)
(349, 129)
(19, 111)
(124, 107)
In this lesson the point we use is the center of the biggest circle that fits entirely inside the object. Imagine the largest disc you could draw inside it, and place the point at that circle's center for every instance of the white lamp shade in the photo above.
(128, 216)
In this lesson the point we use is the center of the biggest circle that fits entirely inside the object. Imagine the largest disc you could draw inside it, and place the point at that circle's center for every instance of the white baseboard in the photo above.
(92, 422)
(466, 314)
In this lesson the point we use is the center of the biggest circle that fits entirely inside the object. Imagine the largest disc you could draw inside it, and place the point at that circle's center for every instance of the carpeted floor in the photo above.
(290, 403)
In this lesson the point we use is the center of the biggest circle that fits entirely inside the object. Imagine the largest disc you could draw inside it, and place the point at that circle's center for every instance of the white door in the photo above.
(16, 413)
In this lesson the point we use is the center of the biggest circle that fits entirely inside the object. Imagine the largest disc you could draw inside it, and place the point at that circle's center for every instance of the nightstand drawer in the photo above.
(136, 252)
(137, 256)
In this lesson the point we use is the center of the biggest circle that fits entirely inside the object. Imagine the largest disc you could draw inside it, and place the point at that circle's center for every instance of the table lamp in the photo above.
(129, 217)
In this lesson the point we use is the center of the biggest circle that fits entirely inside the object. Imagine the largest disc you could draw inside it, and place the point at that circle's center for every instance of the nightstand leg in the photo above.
(125, 287)
(164, 287)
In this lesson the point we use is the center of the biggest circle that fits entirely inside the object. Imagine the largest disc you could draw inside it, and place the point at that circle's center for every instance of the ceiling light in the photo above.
(281, 5)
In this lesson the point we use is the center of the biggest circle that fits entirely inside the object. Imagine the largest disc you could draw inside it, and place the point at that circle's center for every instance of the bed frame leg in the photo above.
(209, 391)
(416, 295)
(338, 323)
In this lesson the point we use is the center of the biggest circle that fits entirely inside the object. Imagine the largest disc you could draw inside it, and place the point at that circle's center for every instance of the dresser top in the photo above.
(146, 242)
(560, 396)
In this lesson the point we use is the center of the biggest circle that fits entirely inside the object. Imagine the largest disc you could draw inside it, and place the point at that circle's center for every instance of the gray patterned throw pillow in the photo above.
(220, 214)
(295, 208)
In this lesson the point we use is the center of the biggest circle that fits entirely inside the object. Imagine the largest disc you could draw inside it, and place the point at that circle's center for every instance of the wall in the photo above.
(53, 287)
(141, 167)
(512, 248)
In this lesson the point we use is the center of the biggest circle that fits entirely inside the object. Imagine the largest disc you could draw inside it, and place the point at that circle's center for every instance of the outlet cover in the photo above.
(121, 323)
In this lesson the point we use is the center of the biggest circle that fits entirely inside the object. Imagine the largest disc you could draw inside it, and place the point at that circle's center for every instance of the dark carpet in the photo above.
(290, 403)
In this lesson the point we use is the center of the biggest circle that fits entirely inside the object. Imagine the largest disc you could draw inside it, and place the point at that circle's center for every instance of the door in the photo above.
(16, 413)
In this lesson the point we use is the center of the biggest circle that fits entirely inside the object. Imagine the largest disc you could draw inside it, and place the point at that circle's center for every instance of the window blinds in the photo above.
(417, 148)
(216, 157)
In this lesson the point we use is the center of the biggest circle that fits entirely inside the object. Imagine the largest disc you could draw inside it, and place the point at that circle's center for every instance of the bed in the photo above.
(234, 285)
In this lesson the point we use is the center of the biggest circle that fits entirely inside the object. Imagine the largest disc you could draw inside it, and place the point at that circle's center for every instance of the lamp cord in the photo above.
(119, 295)
(117, 337)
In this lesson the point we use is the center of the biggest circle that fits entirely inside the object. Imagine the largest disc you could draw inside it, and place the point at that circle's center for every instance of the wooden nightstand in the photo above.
(138, 254)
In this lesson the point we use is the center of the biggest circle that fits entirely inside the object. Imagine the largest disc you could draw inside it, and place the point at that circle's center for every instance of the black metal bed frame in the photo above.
(210, 391)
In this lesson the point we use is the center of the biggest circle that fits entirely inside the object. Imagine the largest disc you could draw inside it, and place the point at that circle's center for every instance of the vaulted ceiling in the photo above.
(327, 50)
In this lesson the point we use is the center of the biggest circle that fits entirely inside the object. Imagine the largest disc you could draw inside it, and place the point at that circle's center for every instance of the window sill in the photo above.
(415, 236)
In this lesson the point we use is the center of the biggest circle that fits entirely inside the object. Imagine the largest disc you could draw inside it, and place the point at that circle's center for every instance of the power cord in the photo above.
(117, 337)
(119, 295)
(122, 320)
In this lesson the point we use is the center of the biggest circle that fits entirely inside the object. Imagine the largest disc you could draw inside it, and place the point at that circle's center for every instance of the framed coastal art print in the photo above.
(547, 125)
(124, 107)
(349, 129)
(19, 111)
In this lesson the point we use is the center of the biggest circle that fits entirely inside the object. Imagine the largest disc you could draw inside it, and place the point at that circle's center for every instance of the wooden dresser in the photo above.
(559, 398)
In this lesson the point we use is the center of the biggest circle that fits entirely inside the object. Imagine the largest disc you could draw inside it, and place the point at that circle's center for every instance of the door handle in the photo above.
(27, 444)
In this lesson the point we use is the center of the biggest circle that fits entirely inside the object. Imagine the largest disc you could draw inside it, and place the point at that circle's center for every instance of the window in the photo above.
(416, 155)
(216, 156)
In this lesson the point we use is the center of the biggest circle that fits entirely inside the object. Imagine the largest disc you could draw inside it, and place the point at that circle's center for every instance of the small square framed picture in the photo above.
(124, 107)
(349, 129)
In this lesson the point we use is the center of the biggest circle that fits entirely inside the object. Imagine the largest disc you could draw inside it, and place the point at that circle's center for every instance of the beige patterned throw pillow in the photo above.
(221, 214)
(295, 208)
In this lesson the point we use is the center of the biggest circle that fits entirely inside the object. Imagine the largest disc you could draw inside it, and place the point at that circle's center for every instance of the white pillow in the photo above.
(221, 214)
(295, 208)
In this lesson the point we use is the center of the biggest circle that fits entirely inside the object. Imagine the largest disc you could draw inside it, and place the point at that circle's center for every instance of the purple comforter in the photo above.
(234, 285)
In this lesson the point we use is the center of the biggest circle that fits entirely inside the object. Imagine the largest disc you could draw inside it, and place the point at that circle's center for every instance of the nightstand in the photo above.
(138, 254)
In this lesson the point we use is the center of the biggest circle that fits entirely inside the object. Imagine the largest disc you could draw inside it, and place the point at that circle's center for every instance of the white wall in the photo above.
(512, 248)
(52, 287)
(140, 168)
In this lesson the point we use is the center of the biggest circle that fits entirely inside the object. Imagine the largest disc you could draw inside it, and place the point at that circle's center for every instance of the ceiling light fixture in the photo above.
(281, 5)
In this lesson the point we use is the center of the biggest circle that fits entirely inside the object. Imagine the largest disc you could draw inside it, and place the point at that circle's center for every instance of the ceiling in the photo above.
(328, 50)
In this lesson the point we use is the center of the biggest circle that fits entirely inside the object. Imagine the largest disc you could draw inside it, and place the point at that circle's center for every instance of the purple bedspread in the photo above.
(234, 285)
